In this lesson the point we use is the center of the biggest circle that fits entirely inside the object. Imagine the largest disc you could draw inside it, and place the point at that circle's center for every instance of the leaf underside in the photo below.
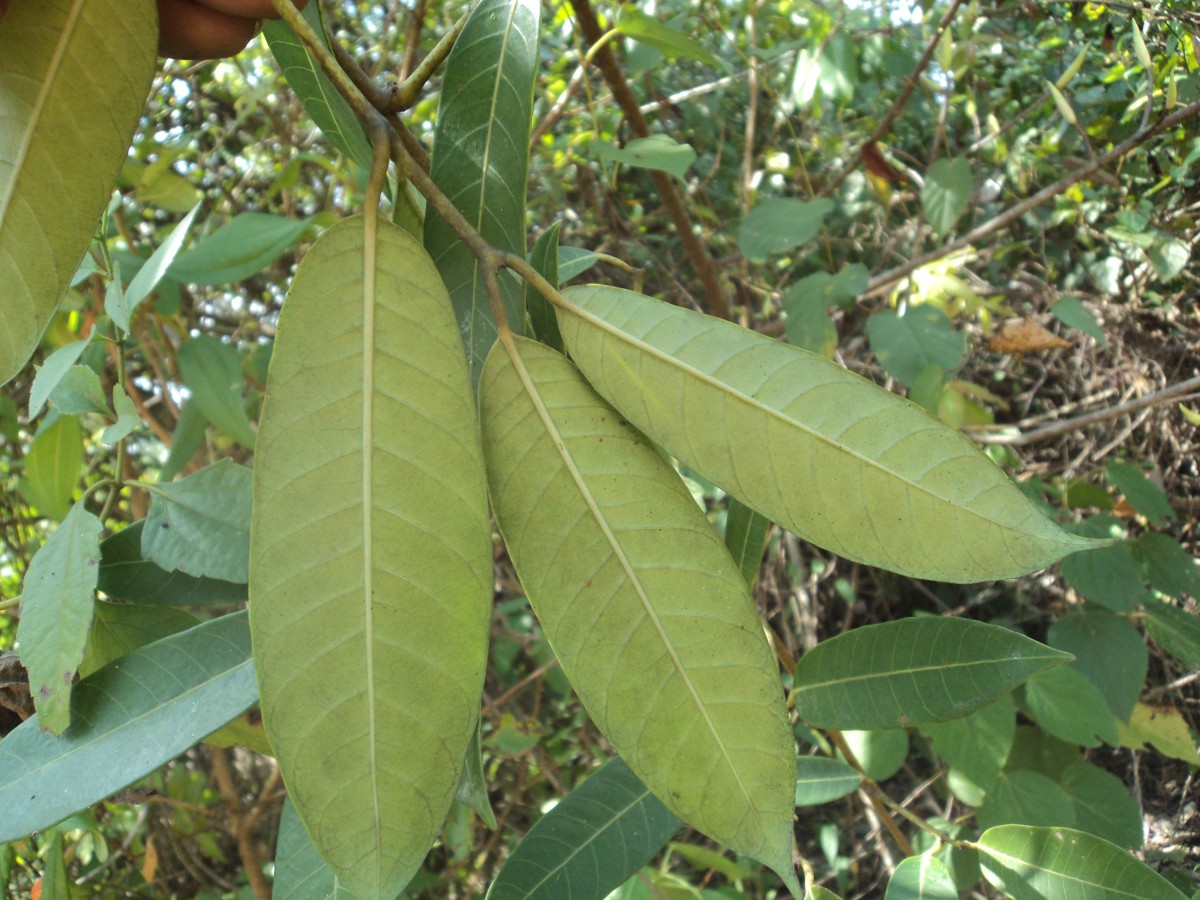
(648, 615)
(826, 454)
(370, 573)
(54, 101)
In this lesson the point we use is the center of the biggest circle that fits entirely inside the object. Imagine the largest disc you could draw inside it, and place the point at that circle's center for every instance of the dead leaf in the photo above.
(1025, 336)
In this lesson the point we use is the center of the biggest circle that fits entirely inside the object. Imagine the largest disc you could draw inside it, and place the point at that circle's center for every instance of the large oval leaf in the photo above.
(370, 556)
(68, 119)
(914, 671)
(1029, 863)
(127, 719)
(823, 452)
(481, 160)
(647, 613)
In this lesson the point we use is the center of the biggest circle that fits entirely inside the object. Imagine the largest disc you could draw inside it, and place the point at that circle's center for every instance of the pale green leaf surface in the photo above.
(128, 418)
(946, 192)
(127, 719)
(817, 449)
(647, 613)
(634, 23)
(200, 525)
(79, 391)
(1168, 258)
(921, 877)
(481, 160)
(472, 787)
(119, 628)
(156, 266)
(54, 100)
(126, 575)
(51, 372)
(1026, 798)
(881, 751)
(243, 246)
(820, 779)
(53, 466)
(371, 563)
(593, 840)
(56, 613)
(573, 262)
(775, 226)
(300, 873)
(1071, 311)
(212, 370)
(908, 344)
(1064, 864)
(329, 110)
(913, 671)
(1103, 805)
(657, 152)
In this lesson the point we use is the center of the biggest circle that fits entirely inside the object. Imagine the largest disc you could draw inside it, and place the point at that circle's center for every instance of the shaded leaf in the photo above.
(1167, 566)
(1103, 805)
(807, 444)
(946, 193)
(634, 23)
(51, 372)
(481, 160)
(243, 246)
(1061, 863)
(921, 877)
(1143, 495)
(186, 441)
(57, 101)
(201, 524)
(472, 789)
(907, 344)
(590, 842)
(128, 418)
(79, 391)
(371, 552)
(545, 258)
(128, 719)
(1175, 630)
(653, 626)
(212, 370)
(975, 748)
(658, 151)
(820, 779)
(300, 873)
(1071, 311)
(1109, 576)
(775, 226)
(913, 671)
(1026, 798)
(1068, 706)
(746, 538)
(119, 628)
(1109, 651)
(53, 466)
(573, 262)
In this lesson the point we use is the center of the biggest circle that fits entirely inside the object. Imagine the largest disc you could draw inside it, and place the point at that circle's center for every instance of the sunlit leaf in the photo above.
(1061, 863)
(913, 671)
(1103, 805)
(881, 752)
(1169, 258)
(907, 344)
(823, 452)
(653, 625)
(51, 372)
(634, 23)
(371, 572)
(1165, 729)
(128, 418)
(481, 160)
(53, 466)
(67, 124)
(56, 613)
(775, 226)
(596, 837)
(127, 719)
(212, 370)
(658, 151)
(243, 246)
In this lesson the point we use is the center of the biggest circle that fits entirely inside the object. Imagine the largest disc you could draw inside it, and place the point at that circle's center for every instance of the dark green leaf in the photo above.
(1068, 706)
(212, 370)
(119, 628)
(1071, 311)
(921, 877)
(1175, 630)
(975, 748)
(634, 23)
(1167, 566)
(775, 226)
(126, 575)
(946, 193)
(808, 325)
(1143, 495)
(1037, 751)
(300, 873)
(545, 258)
(243, 246)
(1103, 805)
(596, 837)
(1109, 576)
(1026, 798)
(906, 344)
(746, 538)
(820, 779)
(53, 466)
(658, 152)
(186, 441)
(1109, 651)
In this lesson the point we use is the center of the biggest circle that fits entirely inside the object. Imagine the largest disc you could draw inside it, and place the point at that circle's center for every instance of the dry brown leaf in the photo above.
(1025, 336)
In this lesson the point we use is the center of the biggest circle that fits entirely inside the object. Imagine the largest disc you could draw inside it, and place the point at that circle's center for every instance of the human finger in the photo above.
(187, 30)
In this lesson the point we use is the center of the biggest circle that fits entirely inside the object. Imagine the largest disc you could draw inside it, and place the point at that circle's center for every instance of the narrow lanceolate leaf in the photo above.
(914, 671)
(370, 575)
(590, 843)
(648, 615)
(127, 719)
(823, 452)
(54, 100)
(56, 613)
(1028, 863)
(481, 160)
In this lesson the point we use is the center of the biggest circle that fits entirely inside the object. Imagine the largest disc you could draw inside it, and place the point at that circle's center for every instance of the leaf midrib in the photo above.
(933, 667)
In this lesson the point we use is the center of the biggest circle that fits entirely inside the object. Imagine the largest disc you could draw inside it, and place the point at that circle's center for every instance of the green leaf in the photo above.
(946, 193)
(119, 628)
(79, 391)
(573, 262)
(128, 719)
(243, 246)
(1169, 258)
(820, 779)
(880, 752)
(186, 441)
(56, 613)
(975, 748)
(545, 258)
(67, 124)
(328, 109)
(775, 226)
(126, 575)
(370, 552)
(56, 884)
(1175, 630)
(128, 418)
(1065, 704)
(593, 840)
(151, 273)
(481, 160)
(1109, 651)
(659, 152)
(1061, 863)
(1038, 751)
(913, 671)
(472, 789)
(1071, 311)
(1109, 576)
(746, 538)
(1103, 805)
(807, 324)
(1026, 798)
(907, 344)
(1167, 566)
(1143, 494)
(921, 877)
(654, 627)
(53, 466)
(212, 370)
(634, 23)
(200, 525)
(300, 873)
(812, 447)
(51, 372)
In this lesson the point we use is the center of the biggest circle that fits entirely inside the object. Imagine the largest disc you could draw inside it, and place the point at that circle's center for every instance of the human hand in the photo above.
(210, 29)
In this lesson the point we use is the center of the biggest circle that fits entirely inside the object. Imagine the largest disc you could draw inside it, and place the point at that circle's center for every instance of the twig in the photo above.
(1174, 392)
(872, 792)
